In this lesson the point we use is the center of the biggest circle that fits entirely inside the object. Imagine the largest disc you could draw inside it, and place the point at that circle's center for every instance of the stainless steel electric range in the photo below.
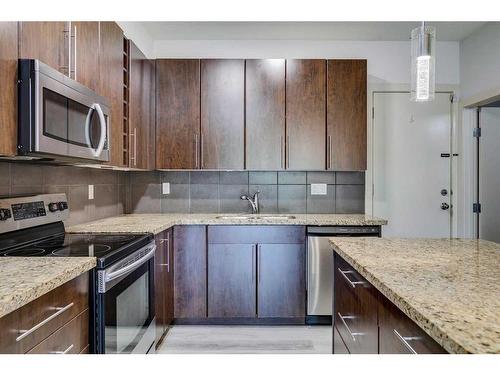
(122, 284)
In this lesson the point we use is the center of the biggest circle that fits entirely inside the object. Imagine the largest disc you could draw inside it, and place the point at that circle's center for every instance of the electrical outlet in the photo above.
(91, 192)
(318, 189)
(165, 188)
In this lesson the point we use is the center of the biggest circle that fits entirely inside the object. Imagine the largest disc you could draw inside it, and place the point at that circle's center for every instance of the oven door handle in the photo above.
(102, 122)
(132, 266)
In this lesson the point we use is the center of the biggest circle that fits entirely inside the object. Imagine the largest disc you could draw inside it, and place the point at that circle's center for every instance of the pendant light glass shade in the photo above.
(423, 59)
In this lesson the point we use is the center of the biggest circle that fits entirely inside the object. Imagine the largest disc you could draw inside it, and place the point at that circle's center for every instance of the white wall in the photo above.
(480, 61)
(387, 61)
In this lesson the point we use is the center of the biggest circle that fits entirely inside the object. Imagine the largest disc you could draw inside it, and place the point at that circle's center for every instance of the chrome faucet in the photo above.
(254, 201)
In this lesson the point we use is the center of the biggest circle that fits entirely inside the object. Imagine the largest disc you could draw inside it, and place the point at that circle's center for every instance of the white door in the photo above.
(489, 174)
(411, 177)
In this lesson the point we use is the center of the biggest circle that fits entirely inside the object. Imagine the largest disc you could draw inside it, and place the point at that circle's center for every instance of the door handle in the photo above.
(102, 123)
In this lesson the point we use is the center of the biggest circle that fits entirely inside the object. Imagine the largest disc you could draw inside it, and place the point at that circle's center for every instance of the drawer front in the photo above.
(355, 309)
(26, 327)
(400, 335)
(72, 338)
(339, 346)
(228, 234)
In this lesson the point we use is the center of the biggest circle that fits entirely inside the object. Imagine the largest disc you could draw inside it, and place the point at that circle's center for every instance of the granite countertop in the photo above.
(25, 279)
(156, 223)
(450, 288)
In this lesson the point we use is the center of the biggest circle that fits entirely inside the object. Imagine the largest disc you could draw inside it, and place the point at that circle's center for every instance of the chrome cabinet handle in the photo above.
(253, 262)
(75, 51)
(196, 156)
(405, 340)
(68, 349)
(259, 250)
(287, 156)
(133, 155)
(168, 253)
(353, 334)
(28, 332)
(351, 283)
(201, 152)
(135, 146)
(329, 160)
(66, 67)
(281, 152)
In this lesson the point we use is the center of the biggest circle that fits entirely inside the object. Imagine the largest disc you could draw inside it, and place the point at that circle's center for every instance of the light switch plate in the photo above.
(165, 188)
(91, 192)
(318, 189)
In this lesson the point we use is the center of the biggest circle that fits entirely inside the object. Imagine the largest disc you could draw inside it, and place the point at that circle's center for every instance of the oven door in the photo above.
(125, 306)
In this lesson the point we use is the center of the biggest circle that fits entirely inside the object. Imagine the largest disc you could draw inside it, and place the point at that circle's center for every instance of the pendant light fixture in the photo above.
(423, 60)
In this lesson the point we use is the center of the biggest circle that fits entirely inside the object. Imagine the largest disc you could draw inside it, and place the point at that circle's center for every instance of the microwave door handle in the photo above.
(102, 121)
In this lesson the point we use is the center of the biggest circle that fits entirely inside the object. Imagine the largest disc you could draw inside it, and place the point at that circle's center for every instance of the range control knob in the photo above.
(53, 207)
(5, 214)
(62, 206)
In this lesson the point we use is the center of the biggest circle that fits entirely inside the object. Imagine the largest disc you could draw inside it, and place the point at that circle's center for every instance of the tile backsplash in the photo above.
(219, 192)
(118, 192)
(110, 187)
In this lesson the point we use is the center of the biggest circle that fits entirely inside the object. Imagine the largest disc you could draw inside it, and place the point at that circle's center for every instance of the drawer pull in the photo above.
(351, 283)
(353, 334)
(68, 349)
(405, 340)
(59, 311)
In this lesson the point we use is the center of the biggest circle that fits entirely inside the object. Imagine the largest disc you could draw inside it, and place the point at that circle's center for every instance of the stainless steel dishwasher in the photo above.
(320, 268)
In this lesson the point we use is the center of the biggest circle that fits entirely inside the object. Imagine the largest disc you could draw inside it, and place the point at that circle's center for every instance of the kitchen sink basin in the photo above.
(255, 217)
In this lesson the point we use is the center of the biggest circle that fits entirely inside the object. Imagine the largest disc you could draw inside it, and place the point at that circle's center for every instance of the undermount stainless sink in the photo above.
(255, 217)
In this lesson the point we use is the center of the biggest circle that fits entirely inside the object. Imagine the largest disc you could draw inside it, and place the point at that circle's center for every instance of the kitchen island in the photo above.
(448, 287)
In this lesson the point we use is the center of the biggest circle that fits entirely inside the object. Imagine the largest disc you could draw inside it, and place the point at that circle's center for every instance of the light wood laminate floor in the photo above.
(247, 339)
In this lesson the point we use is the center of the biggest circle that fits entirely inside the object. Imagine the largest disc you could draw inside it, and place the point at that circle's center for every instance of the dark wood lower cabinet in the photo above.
(400, 335)
(190, 272)
(231, 281)
(67, 330)
(281, 281)
(367, 322)
(164, 286)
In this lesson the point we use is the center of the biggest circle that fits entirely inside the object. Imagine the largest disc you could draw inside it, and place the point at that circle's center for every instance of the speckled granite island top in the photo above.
(23, 280)
(450, 288)
(156, 223)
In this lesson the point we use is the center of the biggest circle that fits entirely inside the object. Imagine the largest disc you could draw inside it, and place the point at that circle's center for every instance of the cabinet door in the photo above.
(178, 114)
(111, 86)
(47, 42)
(231, 281)
(305, 114)
(160, 287)
(141, 122)
(190, 272)
(222, 114)
(85, 53)
(8, 83)
(346, 115)
(265, 114)
(281, 281)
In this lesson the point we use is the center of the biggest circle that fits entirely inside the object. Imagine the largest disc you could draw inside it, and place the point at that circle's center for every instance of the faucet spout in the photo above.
(254, 201)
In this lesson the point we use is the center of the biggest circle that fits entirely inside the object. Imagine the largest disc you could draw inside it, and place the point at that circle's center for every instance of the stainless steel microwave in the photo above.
(59, 118)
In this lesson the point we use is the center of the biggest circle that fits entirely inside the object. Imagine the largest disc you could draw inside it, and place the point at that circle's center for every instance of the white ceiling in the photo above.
(367, 31)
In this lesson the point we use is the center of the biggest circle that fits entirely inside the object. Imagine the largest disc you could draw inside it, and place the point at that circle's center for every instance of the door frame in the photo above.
(374, 88)
(469, 166)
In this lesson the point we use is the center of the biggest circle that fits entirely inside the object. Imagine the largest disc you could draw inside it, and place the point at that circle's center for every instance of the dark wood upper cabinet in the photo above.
(141, 81)
(265, 114)
(222, 114)
(231, 281)
(346, 114)
(281, 281)
(190, 271)
(177, 114)
(8, 83)
(85, 53)
(305, 114)
(111, 86)
(47, 42)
